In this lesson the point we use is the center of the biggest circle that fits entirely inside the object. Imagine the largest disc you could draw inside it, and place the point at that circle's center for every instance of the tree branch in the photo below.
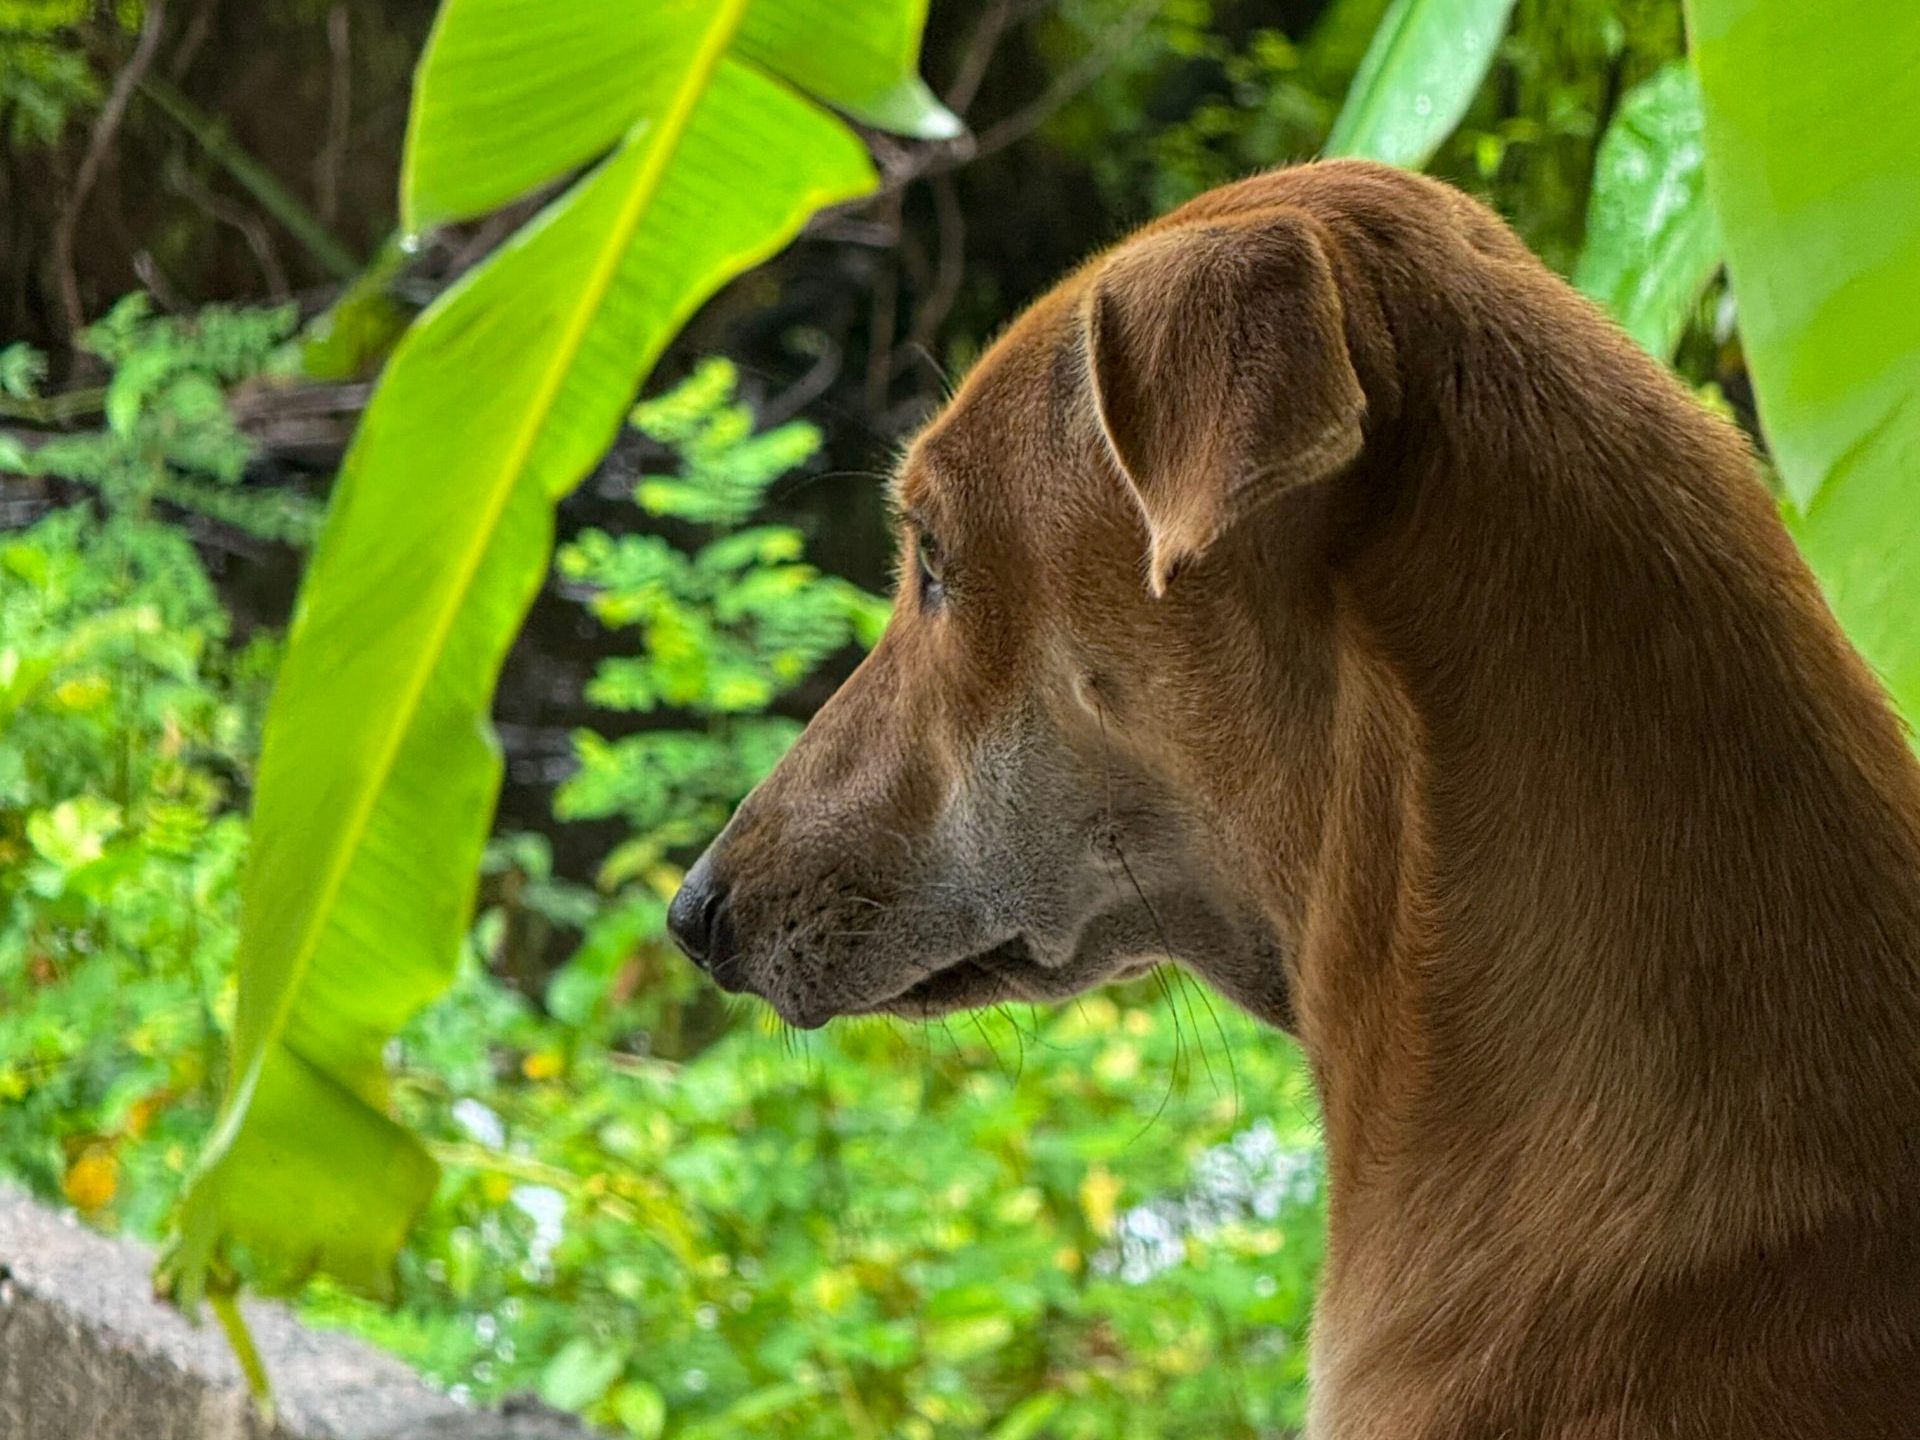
(106, 127)
(1070, 83)
(276, 199)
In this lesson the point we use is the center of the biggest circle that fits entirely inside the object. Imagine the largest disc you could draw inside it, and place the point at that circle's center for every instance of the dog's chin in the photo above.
(1234, 951)
(1009, 971)
(1006, 972)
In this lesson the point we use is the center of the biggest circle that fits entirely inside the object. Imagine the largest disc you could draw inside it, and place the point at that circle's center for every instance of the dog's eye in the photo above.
(927, 554)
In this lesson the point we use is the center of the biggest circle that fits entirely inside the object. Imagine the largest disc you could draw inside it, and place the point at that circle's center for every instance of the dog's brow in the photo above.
(903, 507)
(917, 521)
(908, 489)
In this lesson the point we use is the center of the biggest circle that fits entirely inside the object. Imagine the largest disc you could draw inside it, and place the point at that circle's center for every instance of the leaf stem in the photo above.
(226, 1309)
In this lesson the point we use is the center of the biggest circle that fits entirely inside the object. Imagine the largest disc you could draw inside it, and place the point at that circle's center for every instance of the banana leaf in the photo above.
(379, 770)
(1813, 166)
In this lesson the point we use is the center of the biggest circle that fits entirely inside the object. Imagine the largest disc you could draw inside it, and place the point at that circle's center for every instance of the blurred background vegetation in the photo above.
(654, 1207)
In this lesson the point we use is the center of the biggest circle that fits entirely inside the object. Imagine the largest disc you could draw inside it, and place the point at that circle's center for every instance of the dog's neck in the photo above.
(1610, 971)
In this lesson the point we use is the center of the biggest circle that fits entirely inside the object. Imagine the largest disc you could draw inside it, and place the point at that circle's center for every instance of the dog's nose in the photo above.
(696, 918)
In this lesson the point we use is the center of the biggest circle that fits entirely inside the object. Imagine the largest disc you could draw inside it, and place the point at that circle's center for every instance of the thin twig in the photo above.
(902, 165)
(212, 135)
(972, 68)
(950, 270)
(198, 28)
(804, 391)
(327, 164)
(56, 410)
(154, 281)
(1070, 83)
(252, 229)
(106, 127)
(883, 316)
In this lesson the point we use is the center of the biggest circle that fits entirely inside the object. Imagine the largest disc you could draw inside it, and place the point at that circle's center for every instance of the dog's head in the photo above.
(1096, 733)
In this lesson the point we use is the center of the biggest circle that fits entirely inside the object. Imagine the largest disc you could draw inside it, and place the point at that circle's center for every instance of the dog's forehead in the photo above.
(1003, 428)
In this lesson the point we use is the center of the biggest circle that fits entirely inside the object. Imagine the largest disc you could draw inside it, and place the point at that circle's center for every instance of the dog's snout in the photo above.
(697, 918)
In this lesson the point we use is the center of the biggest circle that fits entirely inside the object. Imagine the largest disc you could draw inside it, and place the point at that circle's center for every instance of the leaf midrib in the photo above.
(671, 127)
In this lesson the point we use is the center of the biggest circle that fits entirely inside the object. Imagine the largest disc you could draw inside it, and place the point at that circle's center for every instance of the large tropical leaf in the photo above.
(1417, 78)
(515, 93)
(379, 772)
(1652, 242)
(1813, 164)
(860, 56)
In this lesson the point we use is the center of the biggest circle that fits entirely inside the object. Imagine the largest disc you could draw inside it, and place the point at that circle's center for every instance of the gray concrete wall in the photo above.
(87, 1353)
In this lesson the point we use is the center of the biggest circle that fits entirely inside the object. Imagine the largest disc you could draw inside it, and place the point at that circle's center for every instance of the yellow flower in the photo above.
(1098, 1192)
(92, 1179)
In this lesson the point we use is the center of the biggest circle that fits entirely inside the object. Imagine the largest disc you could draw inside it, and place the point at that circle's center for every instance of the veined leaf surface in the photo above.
(1812, 129)
(1652, 241)
(1417, 79)
(513, 94)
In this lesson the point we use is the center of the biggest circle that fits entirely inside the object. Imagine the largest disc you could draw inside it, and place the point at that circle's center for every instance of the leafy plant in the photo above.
(1037, 1224)
(1268, 100)
(126, 730)
(1819, 200)
(1652, 241)
(45, 77)
(128, 722)
(168, 437)
(1516, 116)
(1417, 78)
(377, 774)
(725, 630)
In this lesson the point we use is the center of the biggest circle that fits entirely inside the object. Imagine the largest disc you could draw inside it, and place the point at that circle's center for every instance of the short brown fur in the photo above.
(1489, 734)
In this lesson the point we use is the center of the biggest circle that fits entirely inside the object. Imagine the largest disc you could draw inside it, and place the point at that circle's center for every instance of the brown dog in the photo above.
(1315, 587)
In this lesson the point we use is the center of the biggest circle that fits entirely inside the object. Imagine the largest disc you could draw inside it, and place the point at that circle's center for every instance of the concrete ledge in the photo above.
(87, 1353)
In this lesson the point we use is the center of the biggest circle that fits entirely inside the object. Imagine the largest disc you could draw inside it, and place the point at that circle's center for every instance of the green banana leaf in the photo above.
(515, 93)
(1652, 242)
(379, 771)
(1417, 78)
(1813, 165)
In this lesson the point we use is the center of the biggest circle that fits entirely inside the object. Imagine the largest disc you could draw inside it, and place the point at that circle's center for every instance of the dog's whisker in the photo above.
(1174, 1071)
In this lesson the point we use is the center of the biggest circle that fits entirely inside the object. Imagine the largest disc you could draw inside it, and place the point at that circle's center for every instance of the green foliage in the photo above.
(128, 723)
(1270, 104)
(725, 630)
(168, 437)
(1652, 242)
(45, 75)
(22, 368)
(1417, 78)
(1529, 142)
(1810, 118)
(1525, 139)
(488, 126)
(1067, 1221)
(351, 922)
(126, 731)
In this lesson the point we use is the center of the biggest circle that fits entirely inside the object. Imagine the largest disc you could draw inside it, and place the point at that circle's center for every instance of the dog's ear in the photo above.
(1218, 358)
